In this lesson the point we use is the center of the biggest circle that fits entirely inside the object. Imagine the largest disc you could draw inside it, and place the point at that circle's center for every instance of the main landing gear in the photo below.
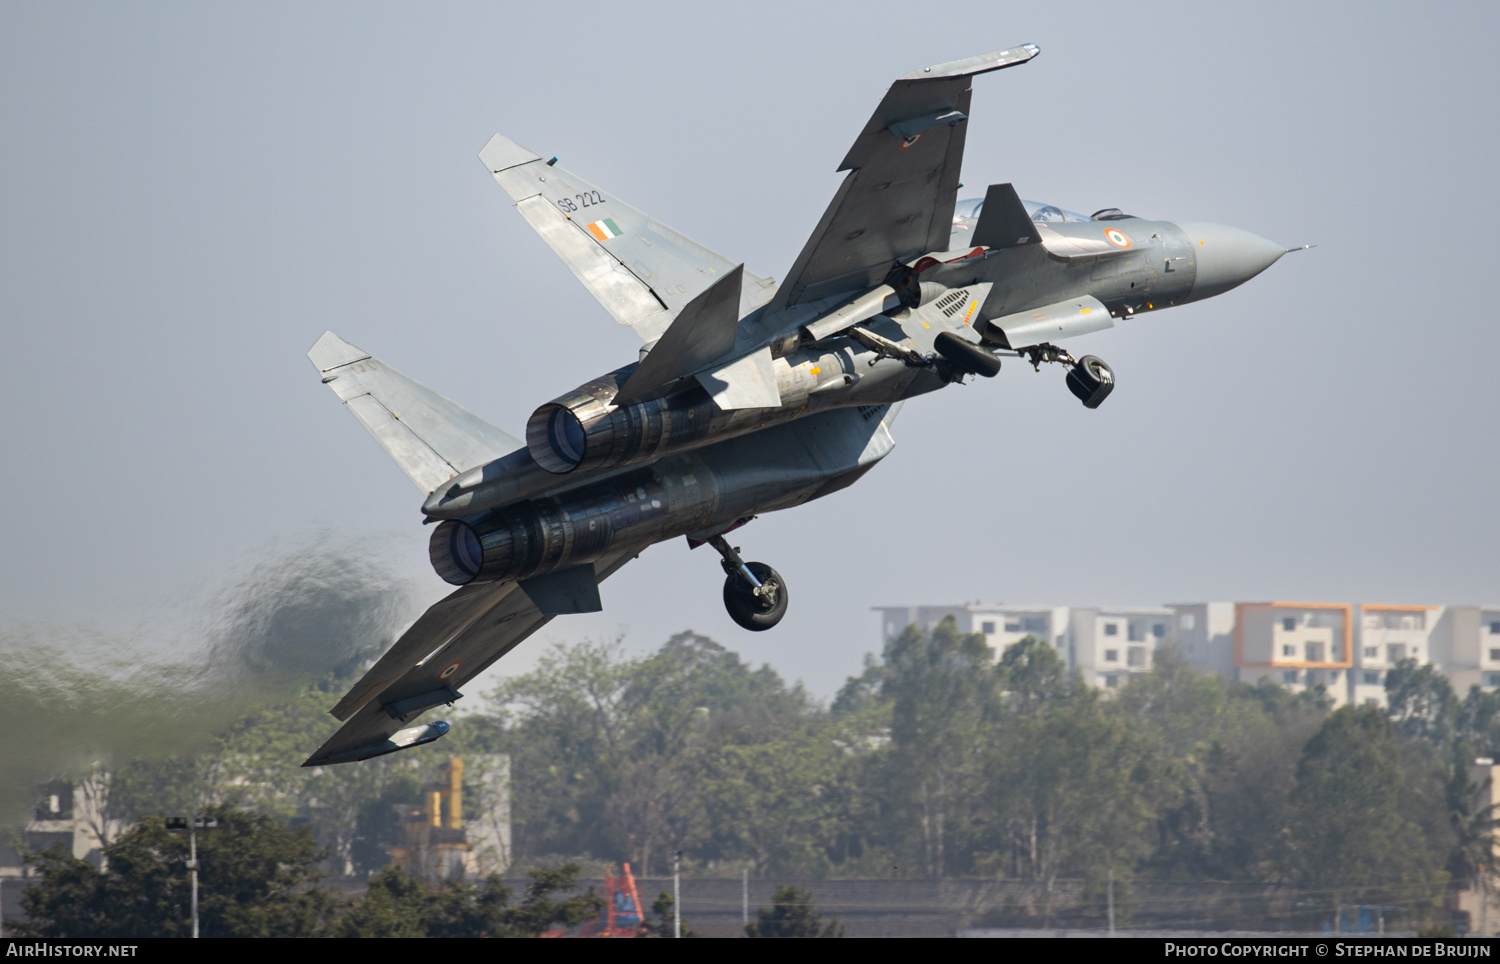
(1089, 378)
(754, 593)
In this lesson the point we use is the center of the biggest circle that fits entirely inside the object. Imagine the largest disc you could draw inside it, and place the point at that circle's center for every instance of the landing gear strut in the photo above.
(754, 593)
(1089, 378)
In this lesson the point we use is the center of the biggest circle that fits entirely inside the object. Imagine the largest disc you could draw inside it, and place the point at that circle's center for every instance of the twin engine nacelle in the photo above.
(640, 507)
(584, 429)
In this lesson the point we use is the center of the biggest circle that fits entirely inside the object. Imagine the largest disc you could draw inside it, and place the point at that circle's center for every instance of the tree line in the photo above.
(937, 760)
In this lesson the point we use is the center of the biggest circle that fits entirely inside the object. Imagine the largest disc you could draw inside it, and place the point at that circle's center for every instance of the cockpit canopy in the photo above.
(969, 209)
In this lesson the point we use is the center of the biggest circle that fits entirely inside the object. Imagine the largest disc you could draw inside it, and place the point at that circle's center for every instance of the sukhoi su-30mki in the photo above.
(748, 396)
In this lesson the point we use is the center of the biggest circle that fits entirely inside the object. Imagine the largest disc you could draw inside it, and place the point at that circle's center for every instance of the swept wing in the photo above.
(897, 202)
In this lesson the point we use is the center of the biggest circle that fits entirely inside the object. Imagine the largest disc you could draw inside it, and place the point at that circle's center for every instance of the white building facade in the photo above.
(1346, 649)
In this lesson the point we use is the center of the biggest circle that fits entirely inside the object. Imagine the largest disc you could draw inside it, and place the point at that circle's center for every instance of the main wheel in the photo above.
(756, 613)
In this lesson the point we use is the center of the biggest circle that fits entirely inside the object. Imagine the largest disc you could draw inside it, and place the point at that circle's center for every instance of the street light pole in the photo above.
(192, 827)
(193, 871)
(677, 894)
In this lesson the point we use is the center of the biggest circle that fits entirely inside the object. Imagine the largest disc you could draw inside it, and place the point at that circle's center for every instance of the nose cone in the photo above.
(1227, 257)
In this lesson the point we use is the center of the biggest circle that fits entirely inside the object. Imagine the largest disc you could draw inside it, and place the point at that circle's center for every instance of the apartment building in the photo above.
(1004, 625)
(1388, 634)
(1205, 635)
(1108, 645)
(1347, 649)
(1299, 645)
(894, 619)
(1466, 644)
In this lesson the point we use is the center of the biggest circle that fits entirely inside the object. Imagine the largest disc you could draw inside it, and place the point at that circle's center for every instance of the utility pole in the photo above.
(192, 827)
(677, 894)
(1111, 902)
(745, 896)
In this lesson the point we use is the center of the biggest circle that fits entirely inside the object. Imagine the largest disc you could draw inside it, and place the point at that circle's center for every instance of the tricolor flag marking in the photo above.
(603, 230)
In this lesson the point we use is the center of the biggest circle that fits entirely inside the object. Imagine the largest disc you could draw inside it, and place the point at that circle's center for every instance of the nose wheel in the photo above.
(754, 594)
(1089, 378)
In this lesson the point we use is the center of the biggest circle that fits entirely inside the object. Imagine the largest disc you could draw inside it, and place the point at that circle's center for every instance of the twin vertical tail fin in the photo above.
(429, 437)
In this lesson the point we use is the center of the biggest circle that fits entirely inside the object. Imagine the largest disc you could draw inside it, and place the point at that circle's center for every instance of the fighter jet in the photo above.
(748, 396)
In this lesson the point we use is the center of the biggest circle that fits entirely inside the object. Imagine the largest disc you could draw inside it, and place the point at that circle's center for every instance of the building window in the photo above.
(1395, 652)
(1333, 676)
(1187, 621)
(1137, 634)
(1012, 627)
(1111, 681)
(1159, 630)
(1495, 655)
(1111, 629)
(1493, 679)
(987, 628)
(1372, 679)
(1288, 649)
(1289, 623)
(1315, 652)
(1035, 624)
(1495, 629)
(1111, 655)
(1135, 656)
(1373, 651)
(1290, 676)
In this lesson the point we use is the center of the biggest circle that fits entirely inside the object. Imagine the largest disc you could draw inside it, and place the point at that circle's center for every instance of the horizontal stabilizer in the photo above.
(456, 640)
(444, 620)
(572, 589)
(428, 436)
(702, 334)
(400, 740)
(1003, 221)
(1065, 319)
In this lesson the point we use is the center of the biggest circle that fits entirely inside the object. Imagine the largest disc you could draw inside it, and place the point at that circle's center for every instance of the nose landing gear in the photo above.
(754, 594)
(1089, 378)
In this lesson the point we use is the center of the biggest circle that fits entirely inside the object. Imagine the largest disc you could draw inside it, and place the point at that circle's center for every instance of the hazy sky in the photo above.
(190, 194)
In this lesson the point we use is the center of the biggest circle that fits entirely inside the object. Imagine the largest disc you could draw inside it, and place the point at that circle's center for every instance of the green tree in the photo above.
(1350, 837)
(400, 905)
(792, 914)
(943, 702)
(778, 801)
(253, 882)
(1075, 786)
(1421, 702)
(607, 751)
(664, 925)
